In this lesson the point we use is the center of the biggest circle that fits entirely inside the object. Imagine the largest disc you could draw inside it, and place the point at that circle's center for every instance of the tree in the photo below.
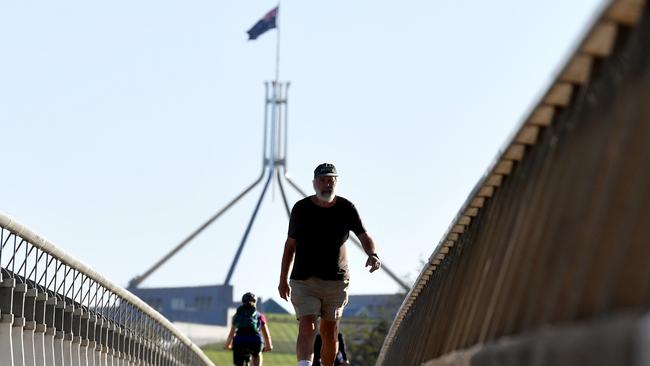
(364, 341)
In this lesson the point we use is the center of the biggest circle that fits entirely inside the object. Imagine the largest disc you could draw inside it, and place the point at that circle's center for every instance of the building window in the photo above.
(177, 303)
(203, 302)
(155, 303)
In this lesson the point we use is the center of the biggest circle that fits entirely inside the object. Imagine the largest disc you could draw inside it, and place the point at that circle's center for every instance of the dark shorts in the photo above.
(245, 345)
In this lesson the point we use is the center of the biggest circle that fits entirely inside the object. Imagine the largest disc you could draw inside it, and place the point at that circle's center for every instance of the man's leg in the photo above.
(329, 330)
(306, 336)
(257, 359)
(333, 304)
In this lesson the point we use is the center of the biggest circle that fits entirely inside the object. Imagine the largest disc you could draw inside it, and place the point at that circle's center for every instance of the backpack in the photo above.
(247, 318)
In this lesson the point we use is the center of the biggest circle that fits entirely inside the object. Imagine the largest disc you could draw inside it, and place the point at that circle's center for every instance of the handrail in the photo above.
(25, 233)
(598, 44)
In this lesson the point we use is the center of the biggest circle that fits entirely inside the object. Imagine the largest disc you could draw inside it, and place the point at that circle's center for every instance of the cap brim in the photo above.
(326, 175)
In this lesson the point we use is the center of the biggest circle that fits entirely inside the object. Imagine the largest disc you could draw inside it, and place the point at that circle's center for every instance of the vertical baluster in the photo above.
(18, 324)
(30, 327)
(41, 328)
(51, 349)
(83, 336)
(59, 349)
(6, 320)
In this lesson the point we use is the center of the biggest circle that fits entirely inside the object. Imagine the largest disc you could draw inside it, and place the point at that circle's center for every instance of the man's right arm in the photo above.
(287, 260)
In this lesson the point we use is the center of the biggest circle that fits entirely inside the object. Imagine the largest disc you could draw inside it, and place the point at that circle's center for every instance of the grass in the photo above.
(224, 358)
(284, 330)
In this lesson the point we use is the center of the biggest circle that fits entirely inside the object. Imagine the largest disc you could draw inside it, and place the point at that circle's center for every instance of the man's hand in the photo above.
(373, 262)
(267, 348)
(227, 346)
(284, 289)
(287, 258)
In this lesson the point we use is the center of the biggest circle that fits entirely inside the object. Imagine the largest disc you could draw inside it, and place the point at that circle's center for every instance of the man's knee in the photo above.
(329, 330)
(329, 327)
(307, 326)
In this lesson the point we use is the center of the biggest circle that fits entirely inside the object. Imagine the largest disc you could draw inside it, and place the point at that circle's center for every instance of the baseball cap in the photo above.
(325, 170)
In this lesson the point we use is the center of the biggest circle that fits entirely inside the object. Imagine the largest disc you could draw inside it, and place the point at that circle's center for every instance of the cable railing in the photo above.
(55, 310)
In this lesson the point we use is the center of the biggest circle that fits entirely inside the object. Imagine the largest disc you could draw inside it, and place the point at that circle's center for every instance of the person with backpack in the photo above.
(248, 328)
(341, 358)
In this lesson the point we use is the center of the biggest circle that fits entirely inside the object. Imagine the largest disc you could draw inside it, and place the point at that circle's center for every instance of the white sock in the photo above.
(304, 363)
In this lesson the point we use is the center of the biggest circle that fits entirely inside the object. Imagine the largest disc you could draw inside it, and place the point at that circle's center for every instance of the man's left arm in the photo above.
(369, 247)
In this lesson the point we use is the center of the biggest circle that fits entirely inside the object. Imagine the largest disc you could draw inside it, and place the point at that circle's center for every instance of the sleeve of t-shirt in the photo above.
(355, 221)
(261, 320)
(294, 221)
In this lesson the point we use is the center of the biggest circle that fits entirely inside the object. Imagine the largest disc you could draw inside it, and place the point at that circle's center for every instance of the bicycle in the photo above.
(247, 356)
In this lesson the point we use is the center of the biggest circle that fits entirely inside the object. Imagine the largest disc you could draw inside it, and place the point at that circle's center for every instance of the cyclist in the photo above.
(246, 332)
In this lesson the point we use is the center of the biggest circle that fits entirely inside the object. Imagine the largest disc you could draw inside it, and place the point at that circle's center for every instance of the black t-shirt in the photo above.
(321, 233)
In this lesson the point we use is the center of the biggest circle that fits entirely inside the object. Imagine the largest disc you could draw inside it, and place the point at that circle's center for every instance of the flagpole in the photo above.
(277, 45)
(276, 86)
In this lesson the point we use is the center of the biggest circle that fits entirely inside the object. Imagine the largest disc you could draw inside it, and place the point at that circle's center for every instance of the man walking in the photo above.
(318, 229)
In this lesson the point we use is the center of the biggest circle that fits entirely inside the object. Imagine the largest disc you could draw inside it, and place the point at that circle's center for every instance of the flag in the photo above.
(264, 24)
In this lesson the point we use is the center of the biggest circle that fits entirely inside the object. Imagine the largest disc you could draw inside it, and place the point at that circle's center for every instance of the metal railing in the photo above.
(55, 310)
(554, 238)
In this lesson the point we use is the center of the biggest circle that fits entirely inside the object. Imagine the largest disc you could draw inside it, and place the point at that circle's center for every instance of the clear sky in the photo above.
(124, 125)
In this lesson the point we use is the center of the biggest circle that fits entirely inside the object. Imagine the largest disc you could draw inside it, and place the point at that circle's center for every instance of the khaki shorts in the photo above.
(314, 296)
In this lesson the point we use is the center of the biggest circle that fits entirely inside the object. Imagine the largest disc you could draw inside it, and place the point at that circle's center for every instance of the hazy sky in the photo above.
(124, 125)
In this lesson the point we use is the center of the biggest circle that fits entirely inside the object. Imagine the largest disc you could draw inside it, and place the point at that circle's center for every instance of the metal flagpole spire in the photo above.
(277, 44)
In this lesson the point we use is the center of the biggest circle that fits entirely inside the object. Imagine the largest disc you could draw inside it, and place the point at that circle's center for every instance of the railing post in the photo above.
(18, 324)
(39, 332)
(128, 348)
(51, 350)
(119, 348)
(29, 338)
(100, 338)
(6, 320)
(67, 336)
(77, 357)
(83, 336)
(109, 342)
(147, 353)
(92, 340)
(59, 349)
